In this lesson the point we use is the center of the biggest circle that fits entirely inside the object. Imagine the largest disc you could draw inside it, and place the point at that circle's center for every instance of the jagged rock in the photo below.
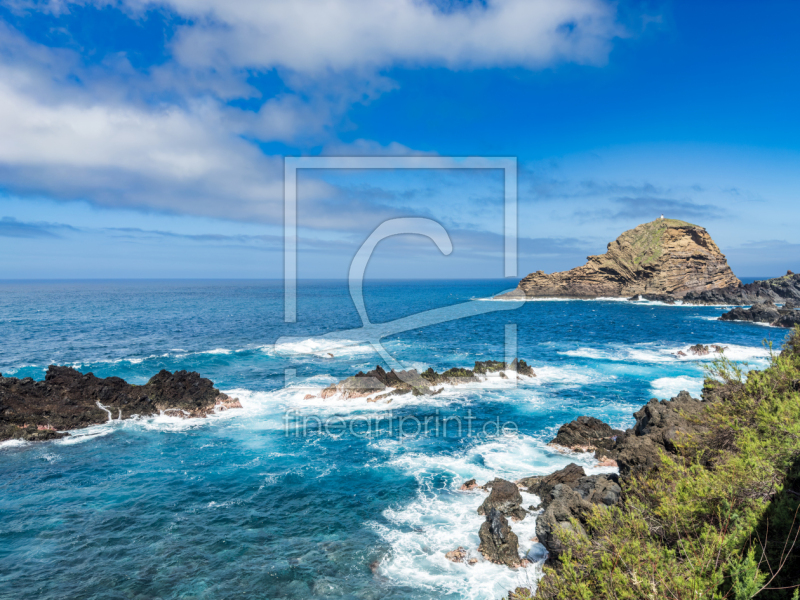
(585, 434)
(564, 504)
(67, 399)
(470, 484)
(504, 497)
(395, 383)
(542, 486)
(699, 350)
(498, 543)
(766, 312)
(788, 318)
(566, 494)
(779, 289)
(664, 257)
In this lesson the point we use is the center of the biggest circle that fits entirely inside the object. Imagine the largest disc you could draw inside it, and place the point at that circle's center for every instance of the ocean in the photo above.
(295, 497)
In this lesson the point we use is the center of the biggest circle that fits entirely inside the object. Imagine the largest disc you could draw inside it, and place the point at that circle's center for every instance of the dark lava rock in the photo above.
(779, 289)
(699, 350)
(569, 494)
(404, 382)
(586, 433)
(504, 497)
(660, 426)
(67, 399)
(498, 543)
(766, 312)
(788, 318)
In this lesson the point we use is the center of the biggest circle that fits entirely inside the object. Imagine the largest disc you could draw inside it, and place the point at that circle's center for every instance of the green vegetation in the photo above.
(646, 239)
(719, 519)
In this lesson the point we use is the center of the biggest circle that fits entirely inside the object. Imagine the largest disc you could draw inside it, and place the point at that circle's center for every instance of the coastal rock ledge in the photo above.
(664, 257)
(67, 399)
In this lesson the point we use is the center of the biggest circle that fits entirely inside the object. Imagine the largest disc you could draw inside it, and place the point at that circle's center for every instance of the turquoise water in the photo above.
(234, 506)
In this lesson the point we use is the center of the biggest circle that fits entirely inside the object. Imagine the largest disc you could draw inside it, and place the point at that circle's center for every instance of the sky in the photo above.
(146, 139)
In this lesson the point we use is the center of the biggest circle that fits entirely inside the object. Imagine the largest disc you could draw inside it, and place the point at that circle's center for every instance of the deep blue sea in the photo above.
(307, 498)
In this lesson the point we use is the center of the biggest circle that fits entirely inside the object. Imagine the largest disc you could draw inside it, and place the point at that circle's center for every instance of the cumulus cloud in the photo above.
(319, 35)
(168, 138)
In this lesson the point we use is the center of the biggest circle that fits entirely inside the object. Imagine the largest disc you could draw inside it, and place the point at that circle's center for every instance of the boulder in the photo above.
(758, 313)
(586, 433)
(498, 543)
(504, 497)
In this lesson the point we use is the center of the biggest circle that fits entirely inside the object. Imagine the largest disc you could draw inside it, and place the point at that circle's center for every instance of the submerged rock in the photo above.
(68, 399)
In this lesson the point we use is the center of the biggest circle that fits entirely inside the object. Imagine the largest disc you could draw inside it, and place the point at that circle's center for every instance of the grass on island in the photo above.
(646, 239)
(719, 520)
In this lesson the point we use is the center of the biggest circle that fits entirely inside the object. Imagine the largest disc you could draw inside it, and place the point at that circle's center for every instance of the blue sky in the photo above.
(146, 139)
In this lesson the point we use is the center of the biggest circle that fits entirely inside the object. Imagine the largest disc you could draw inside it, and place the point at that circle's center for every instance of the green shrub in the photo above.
(718, 520)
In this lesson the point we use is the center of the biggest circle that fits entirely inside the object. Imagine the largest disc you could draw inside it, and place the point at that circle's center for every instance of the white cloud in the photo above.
(313, 36)
(167, 139)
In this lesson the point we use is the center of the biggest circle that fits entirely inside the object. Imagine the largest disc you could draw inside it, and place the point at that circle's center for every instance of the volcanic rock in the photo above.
(403, 382)
(569, 494)
(498, 543)
(586, 433)
(664, 257)
(779, 289)
(504, 497)
(765, 312)
(67, 399)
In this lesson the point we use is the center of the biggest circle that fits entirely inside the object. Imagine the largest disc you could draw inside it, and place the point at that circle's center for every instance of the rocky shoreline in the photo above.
(67, 399)
(568, 495)
(787, 316)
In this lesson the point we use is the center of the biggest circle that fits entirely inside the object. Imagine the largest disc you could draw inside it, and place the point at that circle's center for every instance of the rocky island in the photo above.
(67, 399)
(665, 257)
(379, 384)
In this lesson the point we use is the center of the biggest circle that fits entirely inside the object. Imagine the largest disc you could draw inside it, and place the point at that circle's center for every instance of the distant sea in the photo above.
(244, 504)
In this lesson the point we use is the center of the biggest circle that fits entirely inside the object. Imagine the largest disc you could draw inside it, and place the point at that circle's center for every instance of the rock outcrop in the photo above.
(68, 399)
(569, 494)
(504, 497)
(585, 434)
(661, 425)
(780, 289)
(498, 543)
(765, 312)
(378, 383)
(665, 257)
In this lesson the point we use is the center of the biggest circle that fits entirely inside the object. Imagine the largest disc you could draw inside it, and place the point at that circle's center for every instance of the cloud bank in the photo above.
(171, 137)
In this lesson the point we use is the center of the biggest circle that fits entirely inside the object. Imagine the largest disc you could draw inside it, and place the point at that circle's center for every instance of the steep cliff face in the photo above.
(665, 256)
